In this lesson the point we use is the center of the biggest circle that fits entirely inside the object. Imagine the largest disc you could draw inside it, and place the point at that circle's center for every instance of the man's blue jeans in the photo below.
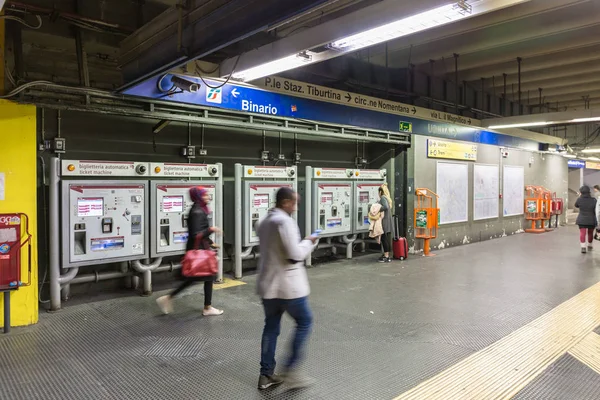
(299, 310)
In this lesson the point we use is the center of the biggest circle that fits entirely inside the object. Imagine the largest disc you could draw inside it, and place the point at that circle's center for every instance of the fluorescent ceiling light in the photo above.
(419, 22)
(592, 158)
(273, 67)
(596, 150)
(523, 125)
(585, 119)
(569, 155)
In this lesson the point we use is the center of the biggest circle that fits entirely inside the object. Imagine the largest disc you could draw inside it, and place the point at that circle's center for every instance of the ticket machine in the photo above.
(255, 191)
(366, 193)
(171, 203)
(104, 222)
(331, 205)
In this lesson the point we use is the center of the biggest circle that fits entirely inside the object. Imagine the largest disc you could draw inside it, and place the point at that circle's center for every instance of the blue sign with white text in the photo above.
(576, 164)
(254, 100)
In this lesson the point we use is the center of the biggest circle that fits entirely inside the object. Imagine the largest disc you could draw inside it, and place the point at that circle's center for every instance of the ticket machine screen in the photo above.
(90, 207)
(172, 204)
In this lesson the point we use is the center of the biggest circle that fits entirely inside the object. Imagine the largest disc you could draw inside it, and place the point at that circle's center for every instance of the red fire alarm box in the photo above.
(14, 234)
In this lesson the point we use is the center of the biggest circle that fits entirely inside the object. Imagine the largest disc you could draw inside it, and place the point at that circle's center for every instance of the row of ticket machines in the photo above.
(141, 211)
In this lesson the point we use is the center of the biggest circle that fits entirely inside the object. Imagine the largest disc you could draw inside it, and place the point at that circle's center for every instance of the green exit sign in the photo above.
(406, 127)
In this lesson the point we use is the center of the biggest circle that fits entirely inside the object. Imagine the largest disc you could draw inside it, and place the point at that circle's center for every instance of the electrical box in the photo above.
(104, 221)
(169, 207)
(332, 207)
(261, 184)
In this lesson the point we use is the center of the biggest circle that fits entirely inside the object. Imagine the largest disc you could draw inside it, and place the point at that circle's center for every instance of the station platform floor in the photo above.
(515, 317)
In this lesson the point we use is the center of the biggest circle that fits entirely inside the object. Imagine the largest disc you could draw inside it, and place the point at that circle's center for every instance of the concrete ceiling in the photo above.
(557, 40)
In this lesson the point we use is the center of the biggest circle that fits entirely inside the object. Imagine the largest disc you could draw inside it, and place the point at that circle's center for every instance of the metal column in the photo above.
(54, 240)
(6, 312)
(519, 59)
(219, 221)
(237, 240)
(308, 208)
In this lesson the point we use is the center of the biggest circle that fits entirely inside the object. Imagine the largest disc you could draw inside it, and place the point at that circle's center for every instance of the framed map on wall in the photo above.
(513, 190)
(452, 180)
(486, 191)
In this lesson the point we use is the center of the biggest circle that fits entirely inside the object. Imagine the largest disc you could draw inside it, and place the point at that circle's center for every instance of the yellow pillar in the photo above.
(18, 164)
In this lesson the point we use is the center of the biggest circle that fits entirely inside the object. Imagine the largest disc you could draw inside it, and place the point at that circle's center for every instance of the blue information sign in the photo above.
(236, 97)
(576, 164)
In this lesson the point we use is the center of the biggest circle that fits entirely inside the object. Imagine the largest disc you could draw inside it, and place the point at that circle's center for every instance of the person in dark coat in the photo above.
(386, 223)
(586, 220)
(198, 228)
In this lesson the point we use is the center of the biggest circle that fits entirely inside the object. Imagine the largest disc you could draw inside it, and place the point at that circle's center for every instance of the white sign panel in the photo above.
(322, 93)
(181, 170)
(486, 191)
(103, 168)
(369, 174)
(453, 189)
(333, 173)
(513, 190)
(2, 183)
(264, 171)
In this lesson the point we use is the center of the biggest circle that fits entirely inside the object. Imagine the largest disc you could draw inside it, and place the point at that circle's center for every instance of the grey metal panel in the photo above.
(152, 216)
(66, 260)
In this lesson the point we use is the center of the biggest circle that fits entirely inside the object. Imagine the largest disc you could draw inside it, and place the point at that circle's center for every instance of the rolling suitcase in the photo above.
(400, 244)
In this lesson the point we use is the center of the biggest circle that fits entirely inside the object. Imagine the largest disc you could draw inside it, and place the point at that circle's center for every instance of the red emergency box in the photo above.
(14, 235)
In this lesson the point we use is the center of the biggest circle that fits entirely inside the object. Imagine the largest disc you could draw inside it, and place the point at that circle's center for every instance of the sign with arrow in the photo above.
(322, 93)
(235, 93)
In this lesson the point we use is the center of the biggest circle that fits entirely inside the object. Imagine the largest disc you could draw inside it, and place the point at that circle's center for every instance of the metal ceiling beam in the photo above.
(376, 15)
(538, 62)
(569, 92)
(565, 82)
(379, 14)
(509, 39)
(540, 77)
(573, 96)
(540, 46)
(472, 26)
(161, 45)
(553, 118)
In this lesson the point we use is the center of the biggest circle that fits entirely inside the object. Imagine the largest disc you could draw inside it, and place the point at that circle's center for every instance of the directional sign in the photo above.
(310, 91)
(332, 107)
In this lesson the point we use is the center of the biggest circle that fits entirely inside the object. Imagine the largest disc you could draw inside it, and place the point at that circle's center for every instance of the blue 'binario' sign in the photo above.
(576, 164)
(254, 100)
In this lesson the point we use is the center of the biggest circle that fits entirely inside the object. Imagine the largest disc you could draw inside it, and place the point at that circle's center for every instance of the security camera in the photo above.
(212, 170)
(141, 169)
(184, 84)
(291, 172)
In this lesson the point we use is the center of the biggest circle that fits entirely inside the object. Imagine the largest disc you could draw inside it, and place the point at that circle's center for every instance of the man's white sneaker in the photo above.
(211, 312)
(165, 304)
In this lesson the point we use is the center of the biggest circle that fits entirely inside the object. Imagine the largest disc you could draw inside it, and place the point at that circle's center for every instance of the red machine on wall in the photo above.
(557, 208)
(14, 234)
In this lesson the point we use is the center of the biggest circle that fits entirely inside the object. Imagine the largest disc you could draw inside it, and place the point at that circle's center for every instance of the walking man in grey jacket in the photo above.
(283, 287)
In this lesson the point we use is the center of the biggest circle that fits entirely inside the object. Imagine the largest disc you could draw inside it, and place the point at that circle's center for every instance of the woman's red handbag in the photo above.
(199, 263)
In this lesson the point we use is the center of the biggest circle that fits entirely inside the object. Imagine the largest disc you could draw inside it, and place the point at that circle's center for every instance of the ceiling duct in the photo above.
(181, 33)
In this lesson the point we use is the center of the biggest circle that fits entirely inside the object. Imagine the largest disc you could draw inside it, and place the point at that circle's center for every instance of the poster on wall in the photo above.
(513, 190)
(486, 191)
(452, 181)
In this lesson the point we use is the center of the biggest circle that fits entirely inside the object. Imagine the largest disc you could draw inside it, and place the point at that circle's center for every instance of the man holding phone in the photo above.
(283, 286)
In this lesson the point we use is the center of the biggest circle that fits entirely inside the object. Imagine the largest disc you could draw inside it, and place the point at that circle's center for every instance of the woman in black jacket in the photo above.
(199, 230)
(586, 220)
